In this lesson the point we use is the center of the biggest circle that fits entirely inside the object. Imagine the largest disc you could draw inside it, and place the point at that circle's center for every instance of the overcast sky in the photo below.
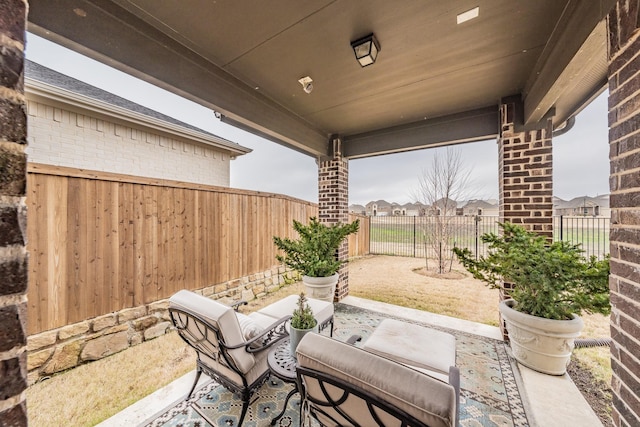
(580, 157)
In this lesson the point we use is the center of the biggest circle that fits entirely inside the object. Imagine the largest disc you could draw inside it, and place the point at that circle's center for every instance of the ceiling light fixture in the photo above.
(307, 84)
(468, 15)
(366, 49)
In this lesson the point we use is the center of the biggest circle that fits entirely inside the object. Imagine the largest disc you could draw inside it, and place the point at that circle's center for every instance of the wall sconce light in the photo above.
(366, 49)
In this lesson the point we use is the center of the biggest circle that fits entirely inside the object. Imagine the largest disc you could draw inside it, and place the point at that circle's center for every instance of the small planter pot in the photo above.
(544, 345)
(296, 335)
(322, 288)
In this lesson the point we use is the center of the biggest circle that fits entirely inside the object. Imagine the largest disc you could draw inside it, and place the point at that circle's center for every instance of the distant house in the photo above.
(479, 207)
(444, 206)
(582, 206)
(379, 208)
(75, 125)
(414, 209)
(357, 209)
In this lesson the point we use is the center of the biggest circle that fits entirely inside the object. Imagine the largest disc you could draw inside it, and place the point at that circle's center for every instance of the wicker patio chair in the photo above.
(231, 348)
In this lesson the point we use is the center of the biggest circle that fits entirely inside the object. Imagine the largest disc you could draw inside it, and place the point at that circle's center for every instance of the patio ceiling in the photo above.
(435, 81)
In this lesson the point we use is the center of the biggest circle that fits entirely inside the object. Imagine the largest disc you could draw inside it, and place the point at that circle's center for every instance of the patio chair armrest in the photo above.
(271, 335)
(236, 305)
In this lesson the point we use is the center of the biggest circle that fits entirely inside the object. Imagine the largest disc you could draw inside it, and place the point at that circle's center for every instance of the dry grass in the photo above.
(92, 393)
(597, 359)
(394, 280)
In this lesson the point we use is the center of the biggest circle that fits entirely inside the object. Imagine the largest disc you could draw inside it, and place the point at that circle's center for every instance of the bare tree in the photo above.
(444, 183)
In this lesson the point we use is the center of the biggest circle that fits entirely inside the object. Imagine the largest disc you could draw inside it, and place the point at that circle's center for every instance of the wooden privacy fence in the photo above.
(103, 242)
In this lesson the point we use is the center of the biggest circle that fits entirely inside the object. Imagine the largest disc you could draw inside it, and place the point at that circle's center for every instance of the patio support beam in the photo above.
(13, 215)
(624, 182)
(333, 203)
(577, 38)
(470, 126)
(525, 174)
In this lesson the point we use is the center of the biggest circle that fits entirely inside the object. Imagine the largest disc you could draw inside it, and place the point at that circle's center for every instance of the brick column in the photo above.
(624, 182)
(525, 176)
(333, 204)
(13, 254)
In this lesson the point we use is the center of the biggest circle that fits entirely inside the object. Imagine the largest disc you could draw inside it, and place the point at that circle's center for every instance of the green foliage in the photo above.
(314, 252)
(551, 280)
(290, 279)
(302, 317)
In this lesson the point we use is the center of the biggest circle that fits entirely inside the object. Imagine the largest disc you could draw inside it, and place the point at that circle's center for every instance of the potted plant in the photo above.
(302, 322)
(313, 255)
(553, 284)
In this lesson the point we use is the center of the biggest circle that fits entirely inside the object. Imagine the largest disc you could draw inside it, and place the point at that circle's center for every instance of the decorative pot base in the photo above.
(321, 288)
(544, 345)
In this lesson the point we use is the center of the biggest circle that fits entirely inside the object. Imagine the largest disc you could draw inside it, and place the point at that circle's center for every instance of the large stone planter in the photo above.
(544, 345)
(322, 288)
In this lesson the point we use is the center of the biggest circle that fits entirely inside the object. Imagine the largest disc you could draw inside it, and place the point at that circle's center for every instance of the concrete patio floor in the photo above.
(549, 400)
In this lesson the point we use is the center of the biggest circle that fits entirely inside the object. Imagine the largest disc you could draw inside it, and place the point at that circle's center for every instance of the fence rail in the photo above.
(409, 235)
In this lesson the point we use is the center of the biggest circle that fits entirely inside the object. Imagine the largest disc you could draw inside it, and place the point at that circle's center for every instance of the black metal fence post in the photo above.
(414, 236)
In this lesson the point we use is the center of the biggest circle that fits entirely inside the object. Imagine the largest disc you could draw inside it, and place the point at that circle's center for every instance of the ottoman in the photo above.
(427, 350)
(322, 310)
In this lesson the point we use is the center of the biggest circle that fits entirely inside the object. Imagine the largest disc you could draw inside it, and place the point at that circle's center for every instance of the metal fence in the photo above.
(591, 232)
(412, 235)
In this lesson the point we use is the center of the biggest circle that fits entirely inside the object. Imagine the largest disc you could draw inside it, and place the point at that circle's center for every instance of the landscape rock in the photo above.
(73, 330)
(66, 356)
(102, 322)
(105, 346)
(37, 359)
(156, 330)
(44, 339)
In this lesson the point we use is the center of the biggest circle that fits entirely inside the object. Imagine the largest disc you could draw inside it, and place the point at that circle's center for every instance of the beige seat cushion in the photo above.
(322, 310)
(429, 400)
(218, 315)
(430, 351)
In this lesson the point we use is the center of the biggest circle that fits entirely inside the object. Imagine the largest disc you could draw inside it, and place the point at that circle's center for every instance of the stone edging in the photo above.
(64, 348)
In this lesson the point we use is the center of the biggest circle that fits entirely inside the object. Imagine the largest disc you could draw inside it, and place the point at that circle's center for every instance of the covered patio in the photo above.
(446, 73)
(495, 391)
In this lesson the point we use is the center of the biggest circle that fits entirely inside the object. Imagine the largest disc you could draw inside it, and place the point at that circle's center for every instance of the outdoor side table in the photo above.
(282, 364)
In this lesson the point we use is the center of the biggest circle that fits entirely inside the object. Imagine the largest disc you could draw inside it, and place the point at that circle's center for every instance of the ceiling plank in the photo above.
(162, 61)
(477, 125)
(577, 23)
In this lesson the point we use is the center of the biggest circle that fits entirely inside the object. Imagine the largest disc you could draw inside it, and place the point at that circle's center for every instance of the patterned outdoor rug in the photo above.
(489, 394)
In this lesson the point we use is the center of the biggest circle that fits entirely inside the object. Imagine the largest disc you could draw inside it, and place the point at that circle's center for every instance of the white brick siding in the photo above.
(65, 138)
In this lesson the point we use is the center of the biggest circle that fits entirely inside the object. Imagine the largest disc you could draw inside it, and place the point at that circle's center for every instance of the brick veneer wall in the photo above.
(333, 207)
(624, 141)
(526, 174)
(13, 253)
(93, 339)
(525, 178)
(61, 137)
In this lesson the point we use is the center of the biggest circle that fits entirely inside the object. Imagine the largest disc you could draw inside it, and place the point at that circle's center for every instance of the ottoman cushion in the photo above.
(427, 350)
(322, 310)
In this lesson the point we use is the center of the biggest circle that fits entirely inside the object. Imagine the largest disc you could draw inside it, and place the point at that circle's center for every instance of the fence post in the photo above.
(414, 236)
(561, 225)
(477, 242)
(370, 232)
